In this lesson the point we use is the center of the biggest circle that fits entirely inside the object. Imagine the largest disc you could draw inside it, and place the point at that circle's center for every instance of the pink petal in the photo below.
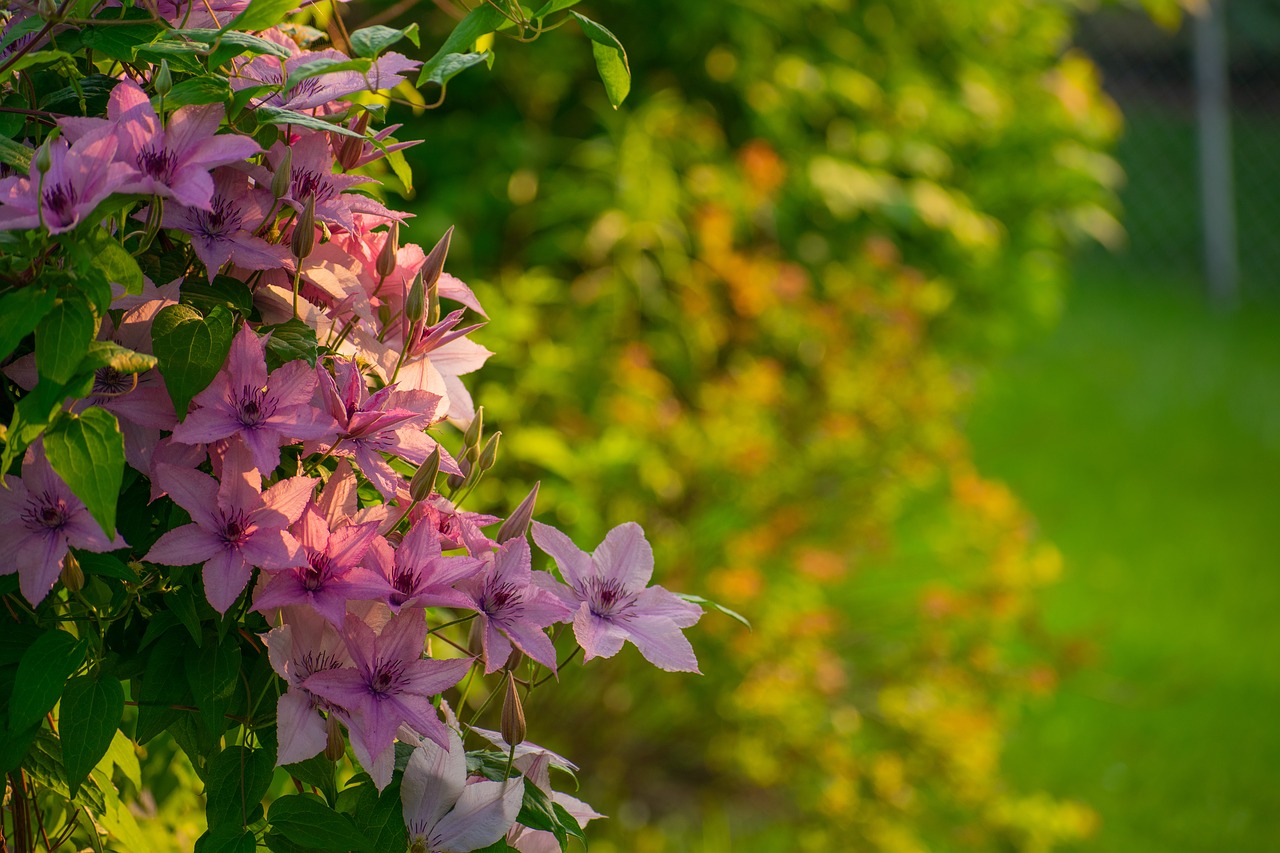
(185, 546)
(599, 638)
(433, 781)
(482, 815)
(39, 560)
(625, 556)
(194, 491)
(661, 643)
(226, 574)
(289, 497)
(300, 728)
(575, 565)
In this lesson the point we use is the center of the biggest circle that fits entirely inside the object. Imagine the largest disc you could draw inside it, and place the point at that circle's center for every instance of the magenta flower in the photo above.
(39, 519)
(513, 608)
(265, 412)
(234, 526)
(332, 574)
(200, 13)
(224, 231)
(390, 684)
(80, 177)
(171, 159)
(455, 527)
(445, 813)
(608, 590)
(417, 574)
(321, 90)
(303, 645)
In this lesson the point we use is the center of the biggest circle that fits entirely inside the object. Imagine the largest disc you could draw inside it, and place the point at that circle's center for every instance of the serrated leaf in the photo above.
(316, 772)
(87, 451)
(90, 717)
(324, 65)
(206, 89)
(451, 66)
(483, 19)
(706, 602)
(555, 6)
(63, 336)
(237, 780)
(372, 41)
(46, 665)
(191, 350)
(281, 117)
(164, 684)
(380, 816)
(611, 59)
(213, 680)
(20, 312)
(105, 565)
(307, 821)
(290, 341)
(261, 14)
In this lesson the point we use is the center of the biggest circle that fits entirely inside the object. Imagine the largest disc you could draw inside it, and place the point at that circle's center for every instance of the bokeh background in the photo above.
(887, 320)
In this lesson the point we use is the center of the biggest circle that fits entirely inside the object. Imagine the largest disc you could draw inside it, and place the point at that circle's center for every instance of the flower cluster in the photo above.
(276, 377)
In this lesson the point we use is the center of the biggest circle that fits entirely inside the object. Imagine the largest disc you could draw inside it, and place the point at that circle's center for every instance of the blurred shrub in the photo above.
(746, 310)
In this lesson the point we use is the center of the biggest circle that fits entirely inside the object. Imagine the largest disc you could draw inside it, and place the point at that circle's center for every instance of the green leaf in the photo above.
(120, 41)
(63, 336)
(15, 155)
(105, 565)
(44, 669)
(569, 823)
(123, 755)
(483, 19)
(227, 839)
(87, 97)
(317, 772)
(289, 341)
(451, 66)
(380, 817)
(20, 312)
(205, 295)
(611, 59)
(706, 602)
(191, 350)
(96, 249)
(281, 118)
(164, 684)
(261, 14)
(91, 712)
(118, 358)
(34, 412)
(372, 41)
(87, 451)
(213, 680)
(183, 605)
(324, 65)
(305, 820)
(555, 6)
(232, 44)
(238, 779)
(206, 89)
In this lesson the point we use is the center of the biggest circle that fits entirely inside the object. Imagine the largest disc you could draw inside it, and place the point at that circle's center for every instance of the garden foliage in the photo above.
(236, 553)
(810, 228)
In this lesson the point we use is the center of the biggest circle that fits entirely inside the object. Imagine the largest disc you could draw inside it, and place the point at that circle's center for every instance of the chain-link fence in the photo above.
(1150, 72)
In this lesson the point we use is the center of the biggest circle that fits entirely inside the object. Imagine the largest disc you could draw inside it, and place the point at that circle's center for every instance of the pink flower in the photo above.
(224, 230)
(536, 764)
(417, 574)
(608, 590)
(303, 645)
(234, 525)
(265, 412)
(200, 13)
(322, 90)
(39, 519)
(80, 177)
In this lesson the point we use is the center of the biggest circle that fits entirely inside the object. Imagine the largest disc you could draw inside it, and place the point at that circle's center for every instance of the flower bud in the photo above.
(424, 482)
(475, 643)
(475, 432)
(517, 524)
(489, 455)
(164, 79)
(384, 315)
(44, 156)
(513, 725)
(455, 481)
(433, 303)
(49, 11)
(283, 178)
(353, 148)
(414, 307)
(435, 259)
(72, 575)
(334, 747)
(303, 241)
(386, 263)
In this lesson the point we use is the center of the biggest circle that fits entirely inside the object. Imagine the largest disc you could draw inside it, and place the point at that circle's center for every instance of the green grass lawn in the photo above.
(1144, 435)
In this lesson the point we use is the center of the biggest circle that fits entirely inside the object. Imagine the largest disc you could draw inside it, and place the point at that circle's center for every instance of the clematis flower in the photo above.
(444, 812)
(80, 177)
(200, 13)
(417, 574)
(608, 590)
(234, 526)
(303, 645)
(224, 231)
(513, 608)
(264, 411)
(321, 90)
(172, 159)
(389, 685)
(536, 767)
(332, 574)
(39, 519)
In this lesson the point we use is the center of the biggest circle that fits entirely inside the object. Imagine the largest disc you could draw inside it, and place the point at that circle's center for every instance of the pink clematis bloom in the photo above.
(224, 231)
(417, 574)
(303, 645)
(515, 606)
(264, 411)
(536, 767)
(39, 519)
(322, 90)
(332, 575)
(171, 159)
(80, 177)
(389, 685)
(234, 526)
(608, 589)
(446, 813)
(200, 13)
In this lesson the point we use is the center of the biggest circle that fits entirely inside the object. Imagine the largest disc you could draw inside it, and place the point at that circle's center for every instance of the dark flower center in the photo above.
(253, 407)
(503, 601)
(608, 597)
(220, 222)
(388, 678)
(316, 572)
(45, 511)
(308, 183)
(108, 380)
(60, 202)
(235, 529)
(157, 163)
(405, 581)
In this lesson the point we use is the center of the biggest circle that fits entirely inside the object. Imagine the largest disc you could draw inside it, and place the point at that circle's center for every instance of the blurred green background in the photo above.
(797, 308)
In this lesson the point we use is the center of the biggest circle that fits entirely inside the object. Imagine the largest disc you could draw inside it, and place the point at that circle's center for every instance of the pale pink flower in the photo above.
(536, 764)
(417, 574)
(223, 231)
(303, 645)
(80, 177)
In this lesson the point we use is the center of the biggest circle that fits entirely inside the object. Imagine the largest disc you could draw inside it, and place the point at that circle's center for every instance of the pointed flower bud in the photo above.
(386, 263)
(44, 156)
(424, 482)
(433, 303)
(455, 481)
(49, 11)
(414, 306)
(283, 178)
(353, 148)
(513, 725)
(303, 241)
(517, 524)
(164, 79)
(475, 432)
(435, 259)
(72, 575)
(334, 747)
(489, 455)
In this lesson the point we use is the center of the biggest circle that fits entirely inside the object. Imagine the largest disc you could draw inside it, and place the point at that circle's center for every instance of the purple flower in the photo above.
(234, 525)
(514, 606)
(200, 13)
(332, 574)
(80, 177)
(390, 684)
(417, 574)
(265, 412)
(303, 645)
(39, 519)
(322, 89)
(224, 230)
(171, 159)
(444, 813)
(608, 590)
